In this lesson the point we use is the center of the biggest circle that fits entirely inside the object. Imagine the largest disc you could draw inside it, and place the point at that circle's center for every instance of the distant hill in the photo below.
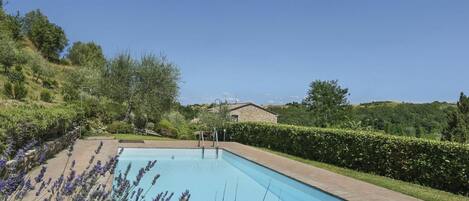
(425, 120)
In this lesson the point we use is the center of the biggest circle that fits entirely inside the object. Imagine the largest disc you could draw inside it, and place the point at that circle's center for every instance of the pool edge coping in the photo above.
(331, 183)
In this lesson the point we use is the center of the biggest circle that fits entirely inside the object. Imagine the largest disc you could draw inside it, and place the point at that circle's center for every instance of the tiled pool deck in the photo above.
(342, 186)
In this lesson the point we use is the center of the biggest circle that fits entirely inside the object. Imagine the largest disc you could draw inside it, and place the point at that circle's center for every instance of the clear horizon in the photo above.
(268, 52)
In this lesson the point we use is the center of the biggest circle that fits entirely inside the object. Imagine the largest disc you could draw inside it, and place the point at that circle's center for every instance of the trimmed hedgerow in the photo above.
(441, 165)
(26, 123)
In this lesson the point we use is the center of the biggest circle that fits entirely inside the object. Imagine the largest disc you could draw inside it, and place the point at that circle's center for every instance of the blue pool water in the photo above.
(206, 178)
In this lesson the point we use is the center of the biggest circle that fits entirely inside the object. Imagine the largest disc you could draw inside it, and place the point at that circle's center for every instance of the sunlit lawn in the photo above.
(139, 137)
(414, 190)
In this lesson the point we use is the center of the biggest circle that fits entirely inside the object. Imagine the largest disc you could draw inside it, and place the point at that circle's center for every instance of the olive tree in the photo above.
(148, 87)
(78, 80)
(215, 117)
(8, 52)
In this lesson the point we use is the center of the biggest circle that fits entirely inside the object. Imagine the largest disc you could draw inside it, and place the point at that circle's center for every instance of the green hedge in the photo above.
(120, 127)
(441, 165)
(25, 123)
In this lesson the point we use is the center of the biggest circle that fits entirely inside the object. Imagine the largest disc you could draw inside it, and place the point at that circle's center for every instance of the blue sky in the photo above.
(268, 51)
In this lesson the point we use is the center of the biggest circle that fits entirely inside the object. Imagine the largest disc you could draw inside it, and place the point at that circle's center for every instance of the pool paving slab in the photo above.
(344, 187)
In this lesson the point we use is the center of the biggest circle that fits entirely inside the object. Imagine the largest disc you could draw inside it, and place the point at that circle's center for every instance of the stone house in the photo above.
(250, 112)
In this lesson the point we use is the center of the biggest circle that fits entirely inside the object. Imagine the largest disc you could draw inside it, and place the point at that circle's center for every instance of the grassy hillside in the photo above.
(35, 86)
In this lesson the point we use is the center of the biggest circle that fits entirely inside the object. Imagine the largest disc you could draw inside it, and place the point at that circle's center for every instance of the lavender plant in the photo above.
(91, 184)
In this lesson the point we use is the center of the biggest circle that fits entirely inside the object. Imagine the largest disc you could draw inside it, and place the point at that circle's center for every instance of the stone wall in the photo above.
(32, 156)
(252, 113)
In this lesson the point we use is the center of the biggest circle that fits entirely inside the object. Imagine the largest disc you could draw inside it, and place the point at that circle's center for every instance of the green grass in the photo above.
(138, 137)
(57, 72)
(414, 190)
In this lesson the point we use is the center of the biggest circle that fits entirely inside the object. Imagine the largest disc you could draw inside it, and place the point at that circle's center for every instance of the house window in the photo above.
(234, 118)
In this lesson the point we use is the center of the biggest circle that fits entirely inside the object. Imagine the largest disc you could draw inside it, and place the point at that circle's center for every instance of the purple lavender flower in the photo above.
(148, 166)
(98, 168)
(30, 145)
(42, 157)
(71, 176)
(12, 182)
(40, 176)
(3, 163)
(99, 147)
(43, 185)
(80, 187)
(2, 185)
(91, 160)
(73, 164)
(69, 187)
(139, 193)
(70, 150)
(19, 155)
(10, 148)
(185, 196)
(153, 182)
(43, 154)
(139, 176)
(28, 184)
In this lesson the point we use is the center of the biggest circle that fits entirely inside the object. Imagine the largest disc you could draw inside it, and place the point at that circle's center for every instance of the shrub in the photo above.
(49, 83)
(70, 93)
(441, 165)
(120, 127)
(174, 124)
(25, 123)
(15, 91)
(8, 89)
(166, 128)
(20, 91)
(139, 121)
(110, 111)
(46, 96)
(16, 76)
(100, 107)
(94, 127)
(150, 126)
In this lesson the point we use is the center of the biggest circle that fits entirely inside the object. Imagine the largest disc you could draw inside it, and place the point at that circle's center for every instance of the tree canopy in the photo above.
(8, 52)
(86, 54)
(148, 86)
(328, 102)
(11, 25)
(458, 122)
(48, 37)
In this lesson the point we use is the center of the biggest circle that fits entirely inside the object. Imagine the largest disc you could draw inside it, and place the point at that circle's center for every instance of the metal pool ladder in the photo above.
(201, 138)
(214, 139)
(203, 152)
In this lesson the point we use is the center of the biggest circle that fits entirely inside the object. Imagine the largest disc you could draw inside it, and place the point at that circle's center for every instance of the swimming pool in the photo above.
(219, 177)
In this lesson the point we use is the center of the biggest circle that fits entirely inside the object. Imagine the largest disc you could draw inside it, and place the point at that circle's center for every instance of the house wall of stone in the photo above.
(254, 114)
